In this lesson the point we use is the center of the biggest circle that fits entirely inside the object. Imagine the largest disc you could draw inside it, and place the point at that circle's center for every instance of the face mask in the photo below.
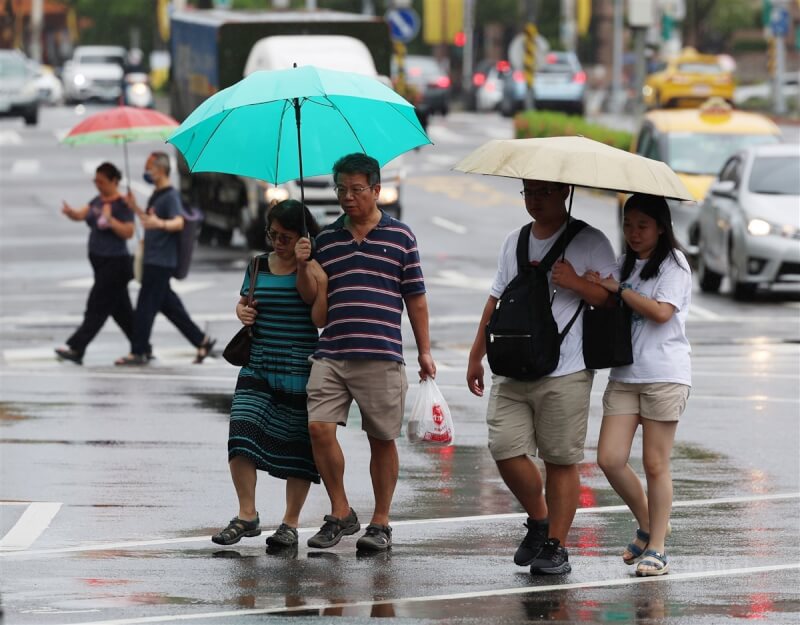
(148, 177)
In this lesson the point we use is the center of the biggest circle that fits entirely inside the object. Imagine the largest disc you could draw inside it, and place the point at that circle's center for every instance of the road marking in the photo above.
(29, 526)
(703, 313)
(25, 167)
(449, 225)
(10, 137)
(459, 596)
(692, 503)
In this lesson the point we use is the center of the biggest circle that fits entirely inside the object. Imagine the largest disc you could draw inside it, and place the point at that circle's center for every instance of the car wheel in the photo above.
(709, 280)
(741, 291)
(32, 118)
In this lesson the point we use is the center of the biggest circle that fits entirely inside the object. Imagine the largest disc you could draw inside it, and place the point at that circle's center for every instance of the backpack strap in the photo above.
(523, 260)
(573, 228)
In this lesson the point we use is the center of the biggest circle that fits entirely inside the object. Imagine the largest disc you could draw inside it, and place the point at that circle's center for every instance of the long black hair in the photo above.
(289, 214)
(655, 207)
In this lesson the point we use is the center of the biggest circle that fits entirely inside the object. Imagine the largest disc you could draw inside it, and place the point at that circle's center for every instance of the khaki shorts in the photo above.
(548, 415)
(657, 401)
(377, 386)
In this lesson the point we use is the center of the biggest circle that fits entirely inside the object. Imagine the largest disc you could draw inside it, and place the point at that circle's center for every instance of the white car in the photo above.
(94, 72)
(749, 224)
(18, 94)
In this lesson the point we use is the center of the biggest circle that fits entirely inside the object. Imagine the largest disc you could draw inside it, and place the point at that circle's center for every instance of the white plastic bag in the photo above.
(430, 420)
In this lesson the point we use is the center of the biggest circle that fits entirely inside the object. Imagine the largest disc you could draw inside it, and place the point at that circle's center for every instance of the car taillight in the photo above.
(478, 79)
(579, 77)
(503, 66)
(722, 80)
(518, 76)
(443, 82)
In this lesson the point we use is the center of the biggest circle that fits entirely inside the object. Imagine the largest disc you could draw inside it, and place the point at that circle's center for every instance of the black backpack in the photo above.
(522, 338)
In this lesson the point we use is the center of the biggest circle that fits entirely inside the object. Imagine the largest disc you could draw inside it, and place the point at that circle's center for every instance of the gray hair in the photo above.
(161, 160)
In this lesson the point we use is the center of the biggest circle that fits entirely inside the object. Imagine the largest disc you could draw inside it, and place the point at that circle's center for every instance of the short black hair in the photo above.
(289, 214)
(110, 171)
(358, 163)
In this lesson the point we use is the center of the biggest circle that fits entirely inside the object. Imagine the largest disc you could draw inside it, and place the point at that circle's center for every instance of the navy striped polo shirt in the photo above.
(366, 286)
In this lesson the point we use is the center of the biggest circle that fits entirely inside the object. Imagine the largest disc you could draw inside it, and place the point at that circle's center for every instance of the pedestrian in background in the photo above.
(655, 281)
(269, 418)
(548, 415)
(111, 224)
(373, 269)
(162, 221)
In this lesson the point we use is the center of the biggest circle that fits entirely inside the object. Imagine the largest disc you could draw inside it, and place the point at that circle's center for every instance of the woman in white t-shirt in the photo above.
(655, 281)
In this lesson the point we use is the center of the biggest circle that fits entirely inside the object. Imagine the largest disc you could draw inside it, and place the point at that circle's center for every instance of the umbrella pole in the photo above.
(569, 216)
(300, 159)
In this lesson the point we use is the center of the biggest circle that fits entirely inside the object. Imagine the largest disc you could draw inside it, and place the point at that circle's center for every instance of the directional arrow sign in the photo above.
(403, 24)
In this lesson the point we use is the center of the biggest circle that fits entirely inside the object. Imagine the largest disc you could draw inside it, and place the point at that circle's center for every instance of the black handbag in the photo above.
(237, 351)
(607, 337)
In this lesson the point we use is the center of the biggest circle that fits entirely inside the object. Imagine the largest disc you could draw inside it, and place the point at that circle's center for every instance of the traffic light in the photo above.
(771, 55)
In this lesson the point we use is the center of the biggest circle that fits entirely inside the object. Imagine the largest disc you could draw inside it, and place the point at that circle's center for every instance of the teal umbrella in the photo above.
(281, 125)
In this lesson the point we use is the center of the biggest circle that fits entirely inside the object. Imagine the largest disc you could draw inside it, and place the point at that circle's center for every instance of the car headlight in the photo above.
(647, 91)
(389, 195)
(79, 80)
(276, 194)
(139, 88)
(759, 227)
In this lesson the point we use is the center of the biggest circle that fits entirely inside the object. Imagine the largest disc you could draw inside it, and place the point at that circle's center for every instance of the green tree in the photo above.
(709, 25)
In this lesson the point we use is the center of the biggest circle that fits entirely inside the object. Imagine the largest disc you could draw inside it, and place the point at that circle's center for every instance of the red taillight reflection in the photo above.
(478, 79)
(414, 71)
(443, 82)
(518, 76)
(579, 77)
(503, 66)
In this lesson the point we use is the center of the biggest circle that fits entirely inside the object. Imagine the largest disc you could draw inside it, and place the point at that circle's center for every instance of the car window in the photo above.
(730, 171)
(775, 175)
(12, 66)
(699, 68)
(705, 153)
(98, 59)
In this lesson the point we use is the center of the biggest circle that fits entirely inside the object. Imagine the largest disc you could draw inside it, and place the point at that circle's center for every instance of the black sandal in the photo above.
(204, 350)
(236, 530)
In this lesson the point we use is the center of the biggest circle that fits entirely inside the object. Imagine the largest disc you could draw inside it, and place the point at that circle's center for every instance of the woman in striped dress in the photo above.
(269, 419)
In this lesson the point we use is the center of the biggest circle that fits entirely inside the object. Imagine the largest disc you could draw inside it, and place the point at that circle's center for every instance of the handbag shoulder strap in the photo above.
(253, 278)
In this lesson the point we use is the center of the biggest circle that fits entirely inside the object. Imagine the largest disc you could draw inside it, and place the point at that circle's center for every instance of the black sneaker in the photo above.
(532, 543)
(333, 529)
(553, 559)
(375, 538)
(67, 353)
(284, 536)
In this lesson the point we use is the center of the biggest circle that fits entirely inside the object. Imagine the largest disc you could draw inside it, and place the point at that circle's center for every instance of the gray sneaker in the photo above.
(553, 559)
(375, 538)
(333, 529)
(284, 536)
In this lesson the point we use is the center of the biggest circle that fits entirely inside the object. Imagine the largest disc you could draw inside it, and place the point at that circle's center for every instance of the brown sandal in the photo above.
(204, 350)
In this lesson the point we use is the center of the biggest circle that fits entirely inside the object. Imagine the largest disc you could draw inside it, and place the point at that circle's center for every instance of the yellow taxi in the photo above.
(695, 143)
(688, 79)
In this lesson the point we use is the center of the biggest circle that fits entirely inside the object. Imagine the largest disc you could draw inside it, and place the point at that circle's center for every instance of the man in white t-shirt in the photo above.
(548, 415)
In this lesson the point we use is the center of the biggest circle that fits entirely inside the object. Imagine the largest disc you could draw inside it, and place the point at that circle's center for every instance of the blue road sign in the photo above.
(779, 22)
(403, 24)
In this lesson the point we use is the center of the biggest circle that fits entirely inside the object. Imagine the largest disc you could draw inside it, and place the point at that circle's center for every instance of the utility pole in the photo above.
(617, 95)
(469, 47)
(779, 27)
(531, 34)
(37, 16)
(569, 29)
(641, 16)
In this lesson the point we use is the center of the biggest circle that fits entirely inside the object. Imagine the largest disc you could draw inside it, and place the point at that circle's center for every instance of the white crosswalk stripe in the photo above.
(25, 167)
(10, 137)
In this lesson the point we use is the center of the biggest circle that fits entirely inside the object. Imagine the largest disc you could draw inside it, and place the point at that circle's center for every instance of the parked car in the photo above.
(559, 84)
(488, 85)
(689, 78)
(695, 143)
(94, 72)
(49, 86)
(19, 96)
(749, 224)
(427, 79)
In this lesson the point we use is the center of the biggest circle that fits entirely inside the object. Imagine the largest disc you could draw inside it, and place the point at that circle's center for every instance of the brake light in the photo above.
(478, 79)
(503, 66)
(518, 76)
(551, 58)
(443, 82)
(414, 71)
(579, 77)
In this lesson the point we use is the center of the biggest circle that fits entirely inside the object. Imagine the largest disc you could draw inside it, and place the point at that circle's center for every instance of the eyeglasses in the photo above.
(280, 237)
(534, 193)
(343, 191)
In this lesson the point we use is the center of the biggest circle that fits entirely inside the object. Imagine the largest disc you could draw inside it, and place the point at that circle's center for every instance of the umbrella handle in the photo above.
(296, 103)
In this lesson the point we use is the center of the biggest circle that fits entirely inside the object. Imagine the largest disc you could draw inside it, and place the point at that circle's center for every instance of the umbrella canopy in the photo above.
(122, 124)
(261, 126)
(575, 161)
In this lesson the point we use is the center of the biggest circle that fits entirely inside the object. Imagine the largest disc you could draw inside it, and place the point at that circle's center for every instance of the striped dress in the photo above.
(269, 418)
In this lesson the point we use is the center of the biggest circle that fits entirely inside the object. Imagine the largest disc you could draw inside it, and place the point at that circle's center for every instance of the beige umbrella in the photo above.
(575, 161)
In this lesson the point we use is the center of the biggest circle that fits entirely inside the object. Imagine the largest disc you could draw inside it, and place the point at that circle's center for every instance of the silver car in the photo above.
(19, 96)
(94, 72)
(749, 223)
